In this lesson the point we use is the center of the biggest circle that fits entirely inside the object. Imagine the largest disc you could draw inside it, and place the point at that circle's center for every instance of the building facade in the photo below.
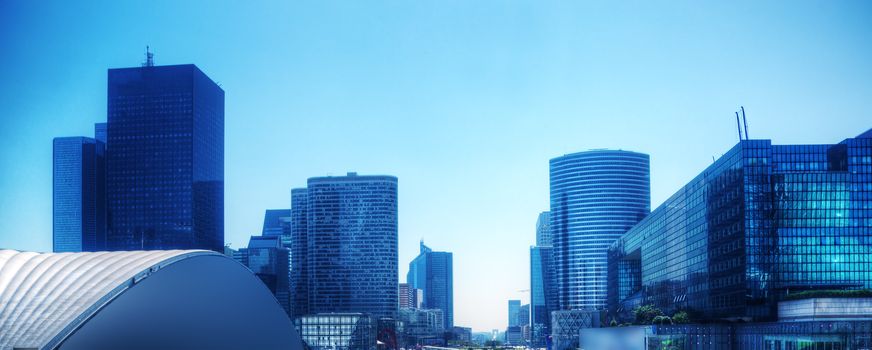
(351, 250)
(165, 170)
(269, 260)
(410, 297)
(596, 196)
(543, 298)
(277, 222)
(762, 222)
(78, 195)
(299, 249)
(433, 273)
(337, 331)
(514, 311)
(543, 230)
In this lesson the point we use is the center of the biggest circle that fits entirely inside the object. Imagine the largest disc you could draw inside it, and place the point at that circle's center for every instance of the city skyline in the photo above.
(801, 77)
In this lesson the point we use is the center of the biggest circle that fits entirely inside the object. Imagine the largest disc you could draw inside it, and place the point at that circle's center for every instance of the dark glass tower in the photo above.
(760, 223)
(165, 168)
(268, 259)
(299, 251)
(79, 200)
(596, 196)
(352, 245)
(433, 273)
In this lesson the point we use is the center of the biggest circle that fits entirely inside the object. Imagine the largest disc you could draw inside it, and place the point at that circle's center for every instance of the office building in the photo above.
(543, 229)
(269, 260)
(136, 300)
(762, 222)
(514, 336)
(514, 310)
(165, 164)
(299, 249)
(524, 315)
(542, 294)
(422, 326)
(410, 298)
(78, 195)
(432, 272)
(277, 222)
(351, 250)
(596, 196)
(337, 331)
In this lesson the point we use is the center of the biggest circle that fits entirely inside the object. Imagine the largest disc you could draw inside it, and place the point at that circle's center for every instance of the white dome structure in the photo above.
(137, 300)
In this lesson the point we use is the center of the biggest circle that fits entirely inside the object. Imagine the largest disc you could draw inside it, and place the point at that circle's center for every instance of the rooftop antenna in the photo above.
(745, 121)
(739, 126)
(149, 58)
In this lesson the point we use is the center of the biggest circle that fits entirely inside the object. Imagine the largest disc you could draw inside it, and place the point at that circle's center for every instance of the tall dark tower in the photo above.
(165, 170)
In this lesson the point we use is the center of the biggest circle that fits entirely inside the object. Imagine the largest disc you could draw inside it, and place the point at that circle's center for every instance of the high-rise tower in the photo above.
(165, 167)
(596, 196)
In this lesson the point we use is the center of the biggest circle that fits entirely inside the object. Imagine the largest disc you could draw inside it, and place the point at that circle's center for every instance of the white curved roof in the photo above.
(45, 296)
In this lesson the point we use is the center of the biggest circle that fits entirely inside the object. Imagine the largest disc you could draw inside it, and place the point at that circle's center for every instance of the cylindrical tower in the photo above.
(596, 196)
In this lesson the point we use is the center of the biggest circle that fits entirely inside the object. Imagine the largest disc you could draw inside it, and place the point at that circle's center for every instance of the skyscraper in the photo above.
(78, 195)
(277, 222)
(514, 309)
(596, 196)
(543, 229)
(299, 250)
(542, 293)
(268, 259)
(165, 167)
(433, 273)
(352, 245)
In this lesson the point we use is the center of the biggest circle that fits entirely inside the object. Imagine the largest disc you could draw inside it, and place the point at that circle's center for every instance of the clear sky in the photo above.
(463, 101)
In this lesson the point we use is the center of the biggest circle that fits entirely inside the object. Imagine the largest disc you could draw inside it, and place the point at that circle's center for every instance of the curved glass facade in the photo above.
(351, 252)
(596, 196)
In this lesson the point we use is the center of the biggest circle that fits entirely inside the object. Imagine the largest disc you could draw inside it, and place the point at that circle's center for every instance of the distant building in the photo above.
(299, 250)
(524, 315)
(277, 222)
(268, 259)
(542, 294)
(514, 336)
(165, 165)
(461, 335)
(410, 298)
(514, 311)
(432, 272)
(423, 326)
(78, 195)
(543, 230)
(337, 331)
(596, 196)
(351, 245)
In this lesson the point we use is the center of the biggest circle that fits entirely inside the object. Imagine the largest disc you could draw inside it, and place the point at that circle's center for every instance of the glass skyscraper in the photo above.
(762, 222)
(165, 164)
(543, 229)
(268, 259)
(433, 273)
(352, 245)
(596, 196)
(299, 249)
(514, 309)
(542, 297)
(78, 195)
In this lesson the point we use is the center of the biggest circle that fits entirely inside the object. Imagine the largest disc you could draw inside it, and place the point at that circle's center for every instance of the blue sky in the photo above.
(463, 101)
